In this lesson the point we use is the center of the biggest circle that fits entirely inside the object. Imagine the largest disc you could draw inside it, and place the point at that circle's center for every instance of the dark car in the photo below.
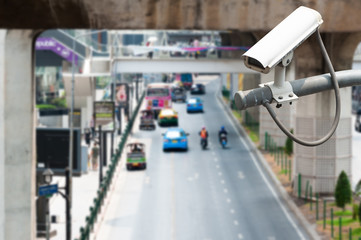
(198, 89)
(358, 120)
(179, 94)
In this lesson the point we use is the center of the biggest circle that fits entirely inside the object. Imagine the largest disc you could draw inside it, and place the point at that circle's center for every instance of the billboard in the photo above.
(76, 118)
(52, 150)
(121, 95)
(104, 115)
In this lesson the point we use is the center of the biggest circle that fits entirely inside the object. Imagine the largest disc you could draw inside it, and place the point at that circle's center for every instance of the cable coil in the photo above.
(336, 120)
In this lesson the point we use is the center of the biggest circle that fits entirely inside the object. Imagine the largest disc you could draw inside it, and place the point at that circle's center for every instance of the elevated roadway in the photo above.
(245, 15)
(179, 65)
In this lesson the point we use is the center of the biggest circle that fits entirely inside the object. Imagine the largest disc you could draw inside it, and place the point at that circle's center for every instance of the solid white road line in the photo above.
(264, 177)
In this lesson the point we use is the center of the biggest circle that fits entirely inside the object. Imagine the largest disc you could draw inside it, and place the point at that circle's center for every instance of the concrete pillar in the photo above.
(17, 135)
(321, 165)
(233, 86)
(251, 81)
(286, 113)
(2, 137)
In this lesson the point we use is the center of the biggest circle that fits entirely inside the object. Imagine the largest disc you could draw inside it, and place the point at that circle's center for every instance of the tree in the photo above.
(358, 188)
(343, 191)
(289, 145)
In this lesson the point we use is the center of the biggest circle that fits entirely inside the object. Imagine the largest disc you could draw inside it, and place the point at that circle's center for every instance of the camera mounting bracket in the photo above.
(282, 91)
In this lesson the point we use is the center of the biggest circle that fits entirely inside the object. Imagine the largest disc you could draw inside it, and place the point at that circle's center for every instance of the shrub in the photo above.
(59, 102)
(343, 191)
(359, 213)
(355, 211)
(45, 106)
(289, 145)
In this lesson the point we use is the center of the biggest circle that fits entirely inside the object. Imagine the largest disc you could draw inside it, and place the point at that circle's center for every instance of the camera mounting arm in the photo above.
(301, 87)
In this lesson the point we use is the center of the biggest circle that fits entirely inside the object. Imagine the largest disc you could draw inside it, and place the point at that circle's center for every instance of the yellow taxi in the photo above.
(168, 116)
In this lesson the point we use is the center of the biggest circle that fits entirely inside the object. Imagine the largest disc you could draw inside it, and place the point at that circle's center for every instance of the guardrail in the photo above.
(91, 219)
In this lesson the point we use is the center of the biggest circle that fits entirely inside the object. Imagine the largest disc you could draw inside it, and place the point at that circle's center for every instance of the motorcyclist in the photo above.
(204, 135)
(222, 133)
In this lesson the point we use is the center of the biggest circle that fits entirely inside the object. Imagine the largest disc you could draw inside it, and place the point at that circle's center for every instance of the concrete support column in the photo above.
(286, 113)
(322, 165)
(234, 86)
(250, 81)
(2, 132)
(17, 136)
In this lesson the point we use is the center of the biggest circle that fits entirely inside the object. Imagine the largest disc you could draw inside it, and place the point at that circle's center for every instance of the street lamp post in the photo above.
(71, 136)
(47, 178)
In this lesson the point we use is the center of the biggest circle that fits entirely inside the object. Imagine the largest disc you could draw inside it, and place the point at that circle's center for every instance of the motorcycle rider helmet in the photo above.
(222, 128)
(203, 128)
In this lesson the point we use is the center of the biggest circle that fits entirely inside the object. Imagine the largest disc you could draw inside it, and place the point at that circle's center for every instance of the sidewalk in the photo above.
(84, 191)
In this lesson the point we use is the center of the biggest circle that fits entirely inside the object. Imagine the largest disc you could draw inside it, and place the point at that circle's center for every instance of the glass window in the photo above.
(158, 92)
(173, 134)
(186, 77)
(168, 112)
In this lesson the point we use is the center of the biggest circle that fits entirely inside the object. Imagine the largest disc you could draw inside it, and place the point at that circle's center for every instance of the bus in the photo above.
(187, 80)
(158, 96)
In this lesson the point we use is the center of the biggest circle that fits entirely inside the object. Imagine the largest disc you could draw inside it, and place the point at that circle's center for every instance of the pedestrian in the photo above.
(196, 48)
(150, 53)
(92, 125)
(94, 154)
(87, 136)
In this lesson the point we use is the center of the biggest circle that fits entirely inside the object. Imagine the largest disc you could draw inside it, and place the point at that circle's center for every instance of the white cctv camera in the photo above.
(278, 45)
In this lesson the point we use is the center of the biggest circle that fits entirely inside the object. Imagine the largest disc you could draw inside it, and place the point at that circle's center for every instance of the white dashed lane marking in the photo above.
(235, 222)
(241, 175)
(195, 177)
(240, 236)
(147, 180)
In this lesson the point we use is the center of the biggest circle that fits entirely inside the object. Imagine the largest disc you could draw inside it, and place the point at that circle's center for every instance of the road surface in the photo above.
(199, 194)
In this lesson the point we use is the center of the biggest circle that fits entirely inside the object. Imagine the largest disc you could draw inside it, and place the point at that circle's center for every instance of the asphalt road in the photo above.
(200, 194)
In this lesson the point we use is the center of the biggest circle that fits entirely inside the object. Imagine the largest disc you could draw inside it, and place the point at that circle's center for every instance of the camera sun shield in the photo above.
(282, 40)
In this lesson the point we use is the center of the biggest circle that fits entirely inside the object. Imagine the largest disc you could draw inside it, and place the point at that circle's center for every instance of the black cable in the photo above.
(267, 105)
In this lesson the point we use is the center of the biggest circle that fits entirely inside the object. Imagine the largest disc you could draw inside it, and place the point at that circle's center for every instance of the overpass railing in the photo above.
(98, 201)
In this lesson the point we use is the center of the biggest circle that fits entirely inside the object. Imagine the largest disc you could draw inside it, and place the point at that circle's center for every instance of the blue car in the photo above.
(194, 105)
(175, 138)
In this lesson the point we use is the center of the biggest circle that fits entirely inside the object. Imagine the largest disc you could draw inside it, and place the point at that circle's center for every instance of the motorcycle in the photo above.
(223, 140)
(204, 143)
